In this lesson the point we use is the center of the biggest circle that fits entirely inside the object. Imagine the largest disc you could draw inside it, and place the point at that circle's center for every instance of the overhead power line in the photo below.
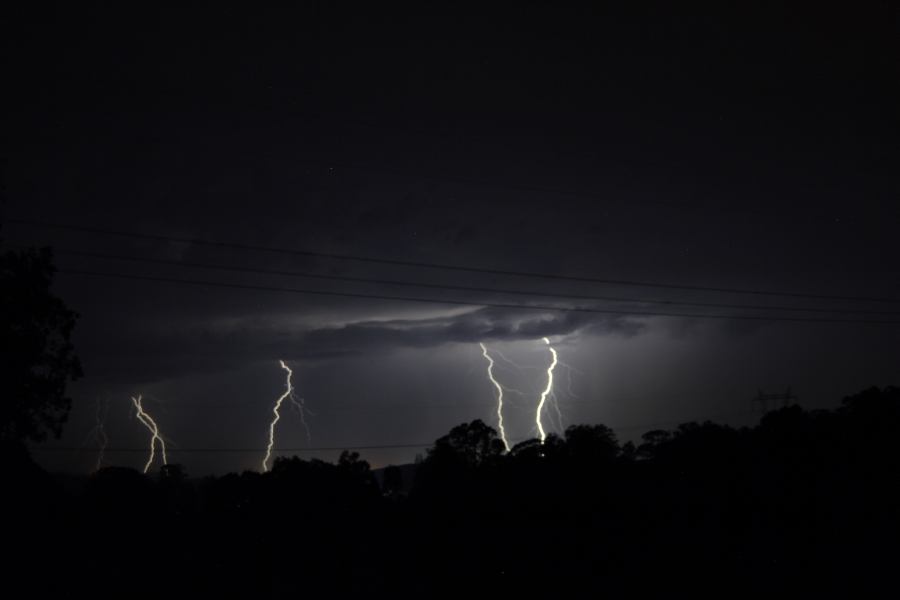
(441, 266)
(172, 450)
(241, 286)
(438, 286)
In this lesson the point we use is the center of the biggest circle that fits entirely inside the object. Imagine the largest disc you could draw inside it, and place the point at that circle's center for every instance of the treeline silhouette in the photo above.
(805, 502)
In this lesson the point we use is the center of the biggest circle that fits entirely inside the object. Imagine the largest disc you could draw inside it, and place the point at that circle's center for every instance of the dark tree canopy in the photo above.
(38, 357)
(471, 443)
(592, 442)
(806, 500)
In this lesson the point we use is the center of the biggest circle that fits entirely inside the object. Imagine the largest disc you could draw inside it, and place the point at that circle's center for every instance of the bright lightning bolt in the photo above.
(490, 373)
(511, 365)
(546, 391)
(288, 393)
(150, 424)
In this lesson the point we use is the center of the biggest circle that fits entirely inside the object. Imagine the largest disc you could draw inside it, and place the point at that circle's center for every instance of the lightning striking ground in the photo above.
(288, 393)
(546, 391)
(490, 373)
(150, 424)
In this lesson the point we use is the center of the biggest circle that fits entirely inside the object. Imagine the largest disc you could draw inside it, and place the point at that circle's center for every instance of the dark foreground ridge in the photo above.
(803, 502)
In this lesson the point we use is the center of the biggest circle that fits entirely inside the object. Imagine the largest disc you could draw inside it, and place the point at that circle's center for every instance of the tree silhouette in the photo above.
(38, 357)
(470, 443)
(651, 441)
(457, 460)
(804, 500)
(592, 443)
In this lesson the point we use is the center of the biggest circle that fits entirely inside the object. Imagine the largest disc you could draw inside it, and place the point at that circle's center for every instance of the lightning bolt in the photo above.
(554, 402)
(569, 370)
(98, 431)
(490, 373)
(554, 398)
(513, 366)
(300, 407)
(546, 391)
(288, 393)
(150, 424)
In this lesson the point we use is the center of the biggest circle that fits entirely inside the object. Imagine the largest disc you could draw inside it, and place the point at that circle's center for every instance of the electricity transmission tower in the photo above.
(764, 402)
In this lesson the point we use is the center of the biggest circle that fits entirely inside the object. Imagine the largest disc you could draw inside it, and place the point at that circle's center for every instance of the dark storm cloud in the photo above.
(485, 324)
(683, 328)
(215, 346)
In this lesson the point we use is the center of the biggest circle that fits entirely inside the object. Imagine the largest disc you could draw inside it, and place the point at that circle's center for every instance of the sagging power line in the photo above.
(462, 288)
(440, 266)
(447, 301)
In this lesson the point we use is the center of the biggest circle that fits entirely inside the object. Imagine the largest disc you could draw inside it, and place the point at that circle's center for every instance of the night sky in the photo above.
(698, 148)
